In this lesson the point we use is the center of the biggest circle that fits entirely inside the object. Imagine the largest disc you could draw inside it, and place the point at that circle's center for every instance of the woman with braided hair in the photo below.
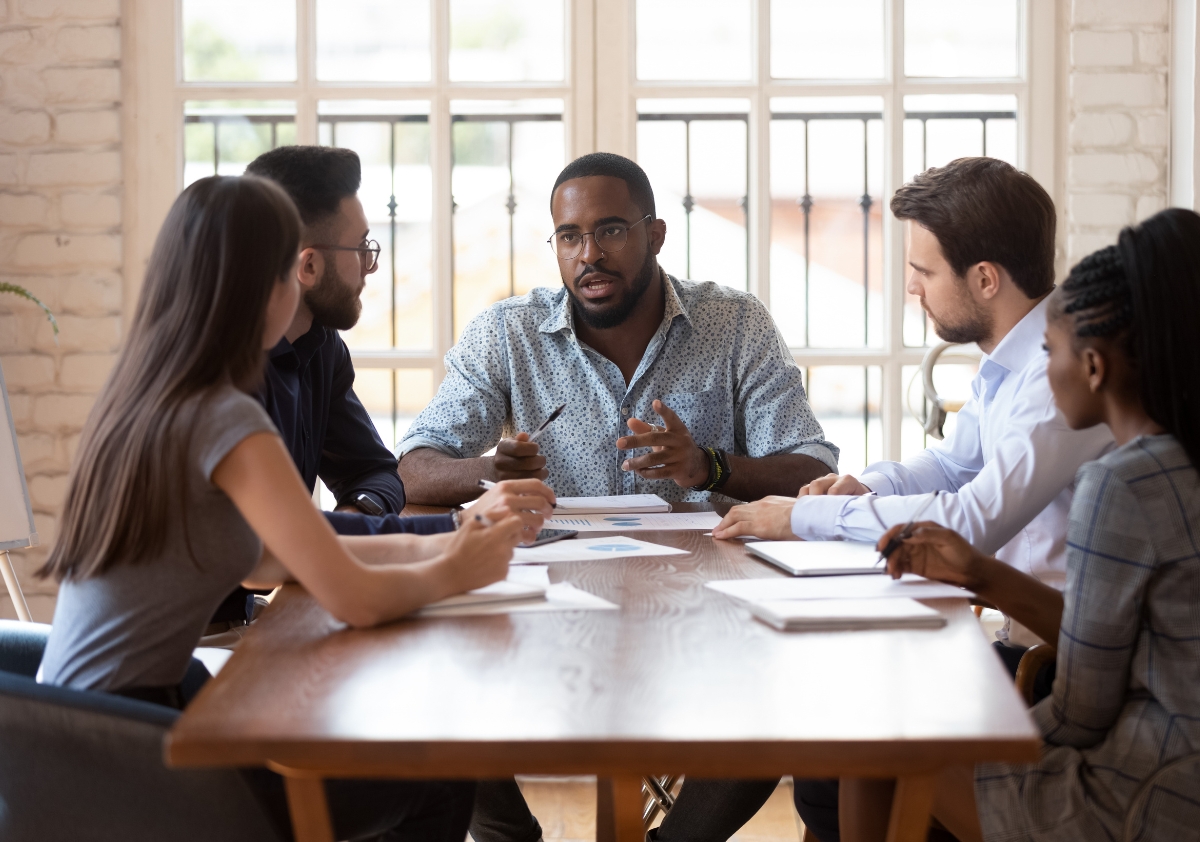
(1121, 336)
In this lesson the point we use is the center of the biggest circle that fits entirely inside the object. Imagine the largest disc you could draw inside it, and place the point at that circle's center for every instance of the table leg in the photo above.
(911, 807)
(309, 808)
(619, 809)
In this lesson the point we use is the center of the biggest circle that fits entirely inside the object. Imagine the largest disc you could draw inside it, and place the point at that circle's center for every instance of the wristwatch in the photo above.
(367, 504)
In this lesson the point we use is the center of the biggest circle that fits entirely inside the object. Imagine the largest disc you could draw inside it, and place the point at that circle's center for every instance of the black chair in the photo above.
(84, 766)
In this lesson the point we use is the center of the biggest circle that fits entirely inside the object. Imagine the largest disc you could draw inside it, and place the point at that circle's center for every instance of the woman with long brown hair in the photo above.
(182, 489)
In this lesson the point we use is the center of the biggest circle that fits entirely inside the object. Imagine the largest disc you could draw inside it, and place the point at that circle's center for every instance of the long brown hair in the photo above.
(199, 324)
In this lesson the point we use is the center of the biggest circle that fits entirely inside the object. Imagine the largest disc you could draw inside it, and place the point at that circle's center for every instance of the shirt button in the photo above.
(625, 411)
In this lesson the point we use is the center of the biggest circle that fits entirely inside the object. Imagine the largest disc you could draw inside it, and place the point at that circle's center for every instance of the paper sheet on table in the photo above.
(560, 597)
(585, 549)
(625, 523)
(838, 587)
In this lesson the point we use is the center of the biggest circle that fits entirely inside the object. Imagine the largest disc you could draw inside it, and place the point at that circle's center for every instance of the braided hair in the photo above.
(1144, 295)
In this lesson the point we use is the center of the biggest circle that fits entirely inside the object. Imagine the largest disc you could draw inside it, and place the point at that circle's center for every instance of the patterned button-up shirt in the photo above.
(717, 360)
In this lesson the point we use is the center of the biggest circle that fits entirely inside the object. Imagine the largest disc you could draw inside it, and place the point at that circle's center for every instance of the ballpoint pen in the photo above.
(534, 435)
(488, 485)
(905, 533)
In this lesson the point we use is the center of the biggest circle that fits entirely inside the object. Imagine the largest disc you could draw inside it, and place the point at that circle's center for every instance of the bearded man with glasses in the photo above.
(672, 387)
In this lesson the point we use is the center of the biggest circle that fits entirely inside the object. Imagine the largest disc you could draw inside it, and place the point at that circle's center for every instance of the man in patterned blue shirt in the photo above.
(622, 344)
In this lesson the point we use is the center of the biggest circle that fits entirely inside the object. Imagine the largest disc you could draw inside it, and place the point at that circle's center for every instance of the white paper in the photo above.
(837, 587)
(529, 575)
(559, 597)
(615, 504)
(585, 549)
(502, 591)
(846, 614)
(626, 523)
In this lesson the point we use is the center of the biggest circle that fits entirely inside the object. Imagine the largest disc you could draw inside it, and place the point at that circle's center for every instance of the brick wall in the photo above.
(1117, 126)
(60, 217)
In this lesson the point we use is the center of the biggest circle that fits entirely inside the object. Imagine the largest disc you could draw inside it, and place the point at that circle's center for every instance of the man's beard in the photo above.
(332, 303)
(617, 312)
(972, 323)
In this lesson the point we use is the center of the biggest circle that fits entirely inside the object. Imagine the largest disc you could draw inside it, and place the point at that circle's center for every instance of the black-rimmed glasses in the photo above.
(368, 253)
(609, 238)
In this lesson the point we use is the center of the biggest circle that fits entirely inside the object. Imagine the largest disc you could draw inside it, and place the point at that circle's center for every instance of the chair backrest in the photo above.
(76, 765)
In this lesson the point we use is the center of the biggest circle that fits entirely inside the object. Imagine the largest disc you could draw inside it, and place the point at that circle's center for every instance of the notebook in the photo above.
(819, 558)
(846, 614)
(502, 591)
(616, 504)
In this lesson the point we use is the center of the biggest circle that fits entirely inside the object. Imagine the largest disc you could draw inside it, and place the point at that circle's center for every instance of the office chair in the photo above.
(83, 765)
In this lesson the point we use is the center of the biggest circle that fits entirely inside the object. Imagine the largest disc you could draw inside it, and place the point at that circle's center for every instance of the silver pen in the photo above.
(906, 533)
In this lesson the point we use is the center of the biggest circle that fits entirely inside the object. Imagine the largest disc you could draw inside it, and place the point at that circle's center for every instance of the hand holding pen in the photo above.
(905, 532)
(520, 457)
(530, 499)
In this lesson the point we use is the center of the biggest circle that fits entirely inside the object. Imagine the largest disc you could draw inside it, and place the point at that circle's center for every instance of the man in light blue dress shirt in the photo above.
(671, 387)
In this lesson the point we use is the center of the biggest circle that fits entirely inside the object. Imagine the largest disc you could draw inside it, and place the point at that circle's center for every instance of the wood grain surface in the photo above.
(680, 680)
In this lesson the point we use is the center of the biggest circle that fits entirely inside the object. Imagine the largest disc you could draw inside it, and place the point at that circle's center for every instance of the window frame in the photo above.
(598, 113)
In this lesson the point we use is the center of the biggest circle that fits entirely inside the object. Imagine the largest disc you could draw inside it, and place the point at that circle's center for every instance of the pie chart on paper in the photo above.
(615, 548)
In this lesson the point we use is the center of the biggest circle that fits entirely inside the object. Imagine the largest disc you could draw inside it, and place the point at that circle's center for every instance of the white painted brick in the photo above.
(9, 329)
(80, 84)
(48, 492)
(88, 43)
(24, 127)
(1153, 130)
(1113, 12)
(15, 45)
(1149, 205)
(48, 250)
(93, 295)
(101, 9)
(8, 169)
(29, 372)
(1097, 169)
(1101, 49)
(22, 409)
(1129, 89)
(61, 413)
(72, 168)
(35, 447)
(1080, 246)
(1102, 209)
(88, 126)
(1154, 47)
(24, 209)
(86, 372)
(81, 333)
(24, 86)
(73, 441)
(92, 210)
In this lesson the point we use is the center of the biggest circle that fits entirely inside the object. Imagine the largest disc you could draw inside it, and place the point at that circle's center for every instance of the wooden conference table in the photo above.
(681, 680)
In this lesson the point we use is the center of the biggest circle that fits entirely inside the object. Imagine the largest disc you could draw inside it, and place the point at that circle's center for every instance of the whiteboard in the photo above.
(16, 515)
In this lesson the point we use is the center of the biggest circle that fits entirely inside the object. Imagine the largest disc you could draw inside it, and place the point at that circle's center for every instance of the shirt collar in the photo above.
(1023, 343)
(562, 317)
(305, 345)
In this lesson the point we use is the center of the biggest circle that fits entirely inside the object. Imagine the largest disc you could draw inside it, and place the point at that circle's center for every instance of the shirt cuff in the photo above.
(819, 452)
(411, 443)
(816, 518)
(881, 484)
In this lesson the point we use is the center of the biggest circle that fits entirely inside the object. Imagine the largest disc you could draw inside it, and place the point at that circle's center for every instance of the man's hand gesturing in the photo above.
(518, 458)
(675, 454)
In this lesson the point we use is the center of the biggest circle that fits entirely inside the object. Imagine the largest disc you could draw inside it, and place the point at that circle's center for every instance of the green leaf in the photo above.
(26, 294)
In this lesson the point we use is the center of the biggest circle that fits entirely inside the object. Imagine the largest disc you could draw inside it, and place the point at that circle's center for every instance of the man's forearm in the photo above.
(782, 474)
(431, 478)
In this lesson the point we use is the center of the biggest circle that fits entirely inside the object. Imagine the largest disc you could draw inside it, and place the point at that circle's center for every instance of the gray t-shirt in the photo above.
(136, 624)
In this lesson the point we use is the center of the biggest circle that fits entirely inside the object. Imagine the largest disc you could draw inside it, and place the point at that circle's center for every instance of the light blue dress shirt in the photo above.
(717, 360)
(1007, 472)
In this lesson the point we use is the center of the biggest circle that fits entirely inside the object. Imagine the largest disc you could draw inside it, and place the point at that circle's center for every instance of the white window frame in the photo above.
(599, 114)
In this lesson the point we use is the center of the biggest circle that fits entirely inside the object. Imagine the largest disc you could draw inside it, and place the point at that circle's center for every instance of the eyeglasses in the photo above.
(610, 238)
(368, 253)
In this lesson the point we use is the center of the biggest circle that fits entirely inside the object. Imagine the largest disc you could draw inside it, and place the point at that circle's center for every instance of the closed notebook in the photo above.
(819, 558)
(502, 591)
(846, 614)
(612, 505)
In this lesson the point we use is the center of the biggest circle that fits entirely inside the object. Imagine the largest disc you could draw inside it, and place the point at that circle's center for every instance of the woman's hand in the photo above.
(935, 552)
(478, 555)
(769, 518)
(529, 499)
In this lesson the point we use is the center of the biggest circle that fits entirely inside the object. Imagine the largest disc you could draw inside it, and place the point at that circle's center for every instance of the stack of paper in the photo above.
(819, 558)
(845, 614)
(586, 549)
(616, 504)
(640, 522)
(837, 587)
(561, 596)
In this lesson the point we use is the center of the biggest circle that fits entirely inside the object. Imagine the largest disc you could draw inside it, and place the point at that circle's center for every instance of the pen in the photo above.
(534, 435)
(906, 532)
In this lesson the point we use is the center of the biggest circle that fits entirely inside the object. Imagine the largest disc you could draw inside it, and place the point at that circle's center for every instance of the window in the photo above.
(774, 132)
